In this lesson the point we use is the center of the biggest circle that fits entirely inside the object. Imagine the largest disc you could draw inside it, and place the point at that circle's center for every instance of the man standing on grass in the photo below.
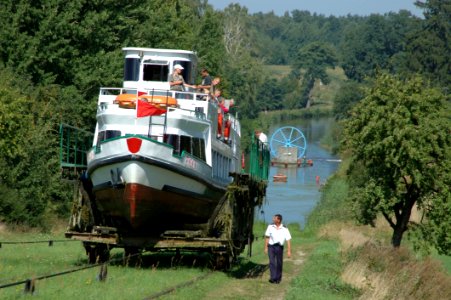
(275, 236)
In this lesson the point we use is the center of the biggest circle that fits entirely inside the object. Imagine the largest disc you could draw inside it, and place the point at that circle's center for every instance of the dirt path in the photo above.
(255, 285)
(292, 267)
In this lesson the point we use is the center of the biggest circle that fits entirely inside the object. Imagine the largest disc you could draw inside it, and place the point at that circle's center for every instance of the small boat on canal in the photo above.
(280, 178)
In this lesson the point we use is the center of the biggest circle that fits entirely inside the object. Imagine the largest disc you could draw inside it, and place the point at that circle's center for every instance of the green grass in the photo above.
(25, 261)
(445, 260)
(157, 272)
(324, 95)
(320, 276)
(278, 71)
(332, 205)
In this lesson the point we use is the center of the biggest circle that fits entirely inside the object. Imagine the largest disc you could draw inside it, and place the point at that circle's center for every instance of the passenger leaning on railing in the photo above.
(223, 110)
(214, 86)
(206, 83)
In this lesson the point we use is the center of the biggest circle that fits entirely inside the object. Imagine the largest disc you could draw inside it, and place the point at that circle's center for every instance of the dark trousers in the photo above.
(275, 253)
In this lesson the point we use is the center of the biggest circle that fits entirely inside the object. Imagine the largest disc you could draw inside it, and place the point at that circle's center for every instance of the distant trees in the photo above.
(376, 42)
(243, 75)
(314, 59)
(349, 94)
(401, 144)
(429, 46)
(209, 43)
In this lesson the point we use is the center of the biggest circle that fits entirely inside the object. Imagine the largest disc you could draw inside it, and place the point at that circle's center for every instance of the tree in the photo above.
(375, 43)
(429, 46)
(30, 182)
(347, 96)
(270, 94)
(399, 137)
(242, 73)
(314, 58)
(209, 43)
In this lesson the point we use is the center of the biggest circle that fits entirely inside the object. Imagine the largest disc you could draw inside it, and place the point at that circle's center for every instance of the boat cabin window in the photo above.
(185, 144)
(155, 70)
(198, 147)
(131, 71)
(108, 134)
(191, 145)
(187, 74)
(174, 141)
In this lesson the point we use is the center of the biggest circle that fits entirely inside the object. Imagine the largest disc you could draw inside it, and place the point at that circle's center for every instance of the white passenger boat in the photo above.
(167, 169)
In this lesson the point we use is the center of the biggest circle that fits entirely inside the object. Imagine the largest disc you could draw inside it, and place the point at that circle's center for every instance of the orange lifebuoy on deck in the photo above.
(126, 100)
(129, 100)
(160, 101)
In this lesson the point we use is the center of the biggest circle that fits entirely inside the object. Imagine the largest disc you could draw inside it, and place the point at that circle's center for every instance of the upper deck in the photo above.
(149, 68)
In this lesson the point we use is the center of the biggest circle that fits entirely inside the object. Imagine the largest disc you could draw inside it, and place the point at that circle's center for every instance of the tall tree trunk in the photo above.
(397, 236)
(307, 86)
(402, 221)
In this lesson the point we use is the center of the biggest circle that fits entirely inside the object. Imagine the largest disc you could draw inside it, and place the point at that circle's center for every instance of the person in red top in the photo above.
(223, 109)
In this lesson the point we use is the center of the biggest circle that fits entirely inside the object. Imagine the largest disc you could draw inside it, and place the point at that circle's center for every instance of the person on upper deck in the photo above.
(206, 82)
(224, 104)
(223, 109)
(214, 86)
(176, 81)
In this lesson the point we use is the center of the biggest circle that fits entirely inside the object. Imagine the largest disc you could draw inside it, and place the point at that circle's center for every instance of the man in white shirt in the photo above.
(275, 237)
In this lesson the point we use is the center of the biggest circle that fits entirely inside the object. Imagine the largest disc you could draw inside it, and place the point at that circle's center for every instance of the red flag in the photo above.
(145, 109)
(141, 93)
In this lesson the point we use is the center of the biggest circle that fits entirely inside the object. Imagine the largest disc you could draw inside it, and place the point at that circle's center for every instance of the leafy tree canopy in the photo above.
(400, 140)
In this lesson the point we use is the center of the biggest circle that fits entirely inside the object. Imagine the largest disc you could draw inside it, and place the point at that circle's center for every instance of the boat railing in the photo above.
(112, 92)
(108, 95)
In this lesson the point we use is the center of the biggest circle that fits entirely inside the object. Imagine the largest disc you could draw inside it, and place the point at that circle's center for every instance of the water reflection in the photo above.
(296, 198)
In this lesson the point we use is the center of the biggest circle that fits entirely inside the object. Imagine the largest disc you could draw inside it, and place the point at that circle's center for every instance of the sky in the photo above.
(324, 7)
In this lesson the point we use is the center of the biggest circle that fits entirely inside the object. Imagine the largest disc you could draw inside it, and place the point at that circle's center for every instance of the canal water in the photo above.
(297, 197)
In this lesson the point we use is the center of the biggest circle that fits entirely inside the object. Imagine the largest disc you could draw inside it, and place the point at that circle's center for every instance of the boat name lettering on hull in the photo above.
(190, 163)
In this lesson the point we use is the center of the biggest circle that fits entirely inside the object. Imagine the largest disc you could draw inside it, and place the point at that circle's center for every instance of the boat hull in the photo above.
(138, 196)
(139, 208)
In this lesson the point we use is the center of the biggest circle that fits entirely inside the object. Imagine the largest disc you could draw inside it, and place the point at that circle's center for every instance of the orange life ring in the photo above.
(129, 100)
(160, 101)
(126, 100)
